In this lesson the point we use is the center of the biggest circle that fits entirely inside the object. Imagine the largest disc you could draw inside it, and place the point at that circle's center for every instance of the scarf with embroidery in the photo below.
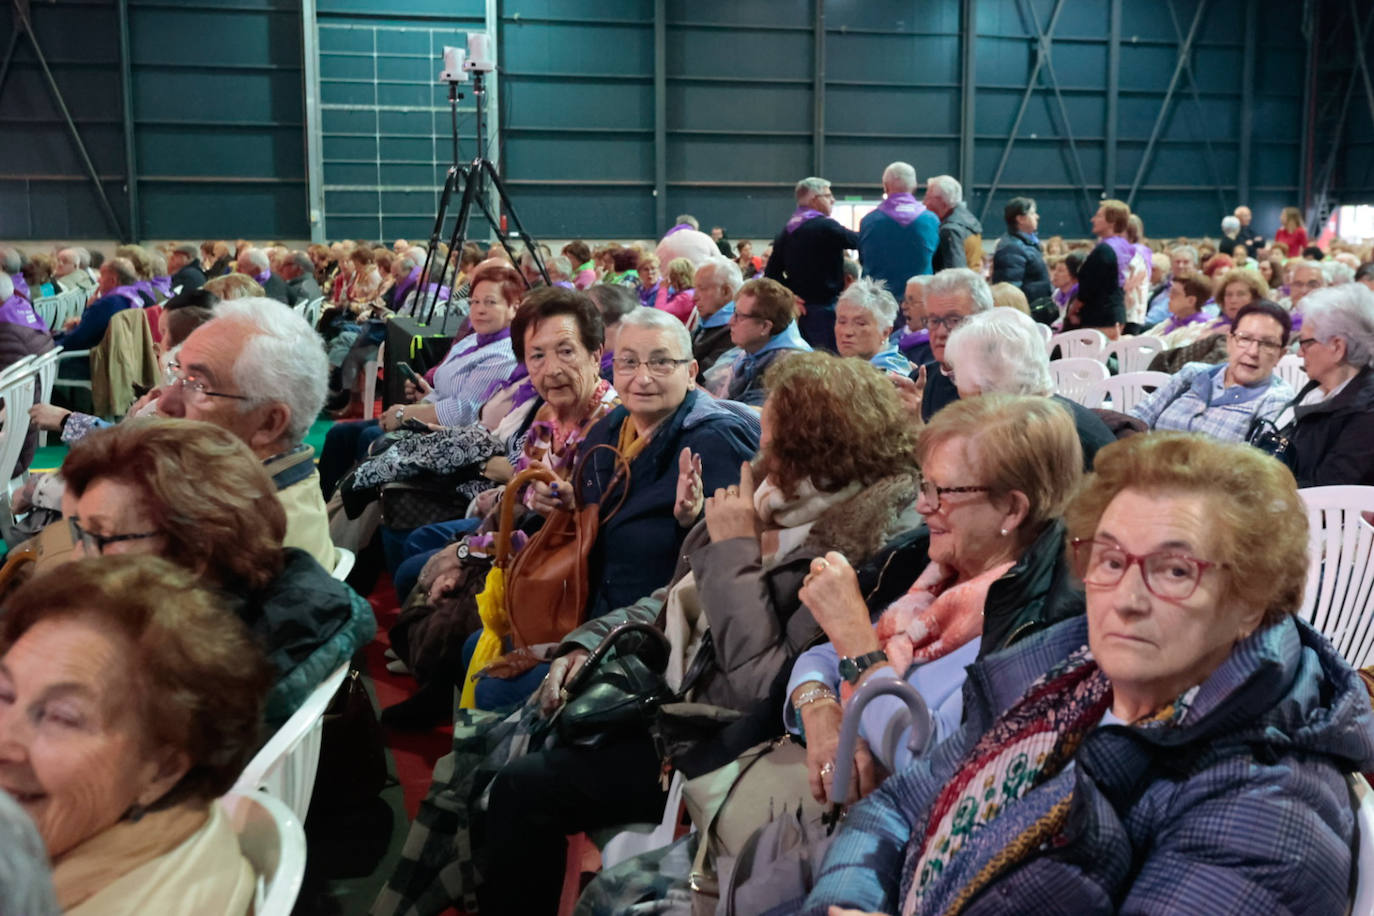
(801, 215)
(902, 208)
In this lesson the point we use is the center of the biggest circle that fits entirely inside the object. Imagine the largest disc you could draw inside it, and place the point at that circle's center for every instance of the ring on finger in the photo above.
(827, 768)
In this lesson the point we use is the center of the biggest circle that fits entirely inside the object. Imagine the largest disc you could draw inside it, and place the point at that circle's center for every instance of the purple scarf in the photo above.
(128, 292)
(522, 394)
(678, 228)
(1124, 252)
(21, 286)
(902, 208)
(162, 285)
(913, 339)
(145, 287)
(800, 216)
(647, 296)
(263, 277)
(1062, 297)
(484, 340)
(398, 298)
(1174, 322)
(17, 310)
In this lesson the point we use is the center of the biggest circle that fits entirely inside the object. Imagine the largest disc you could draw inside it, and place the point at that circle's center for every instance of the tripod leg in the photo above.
(460, 226)
(530, 245)
(450, 182)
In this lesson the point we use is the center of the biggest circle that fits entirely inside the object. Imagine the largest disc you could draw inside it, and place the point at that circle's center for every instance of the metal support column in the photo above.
(126, 82)
(1184, 51)
(1247, 105)
(493, 109)
(818, 90)
(660, 116)
(314, 126)
(1309, 125)
(1113, 96)
(968, 79)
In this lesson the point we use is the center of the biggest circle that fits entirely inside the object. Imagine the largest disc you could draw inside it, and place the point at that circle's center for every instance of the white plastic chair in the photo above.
(272, 839)
(1133, 354)
(1340, 572)
(46, 308)
(370, 380)
(286, 764)
(1363, 795)
(16, 390)
(312, 310)
(1290, 370)
(343, 563)
(1073, 375)
(46, 367)
(1088, 343)
(1045, 332)
(1124, 391)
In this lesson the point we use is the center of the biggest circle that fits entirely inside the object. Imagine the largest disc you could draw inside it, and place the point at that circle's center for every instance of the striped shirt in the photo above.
(467, 372)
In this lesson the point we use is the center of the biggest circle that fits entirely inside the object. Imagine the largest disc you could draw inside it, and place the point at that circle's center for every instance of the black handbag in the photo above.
(616, 692)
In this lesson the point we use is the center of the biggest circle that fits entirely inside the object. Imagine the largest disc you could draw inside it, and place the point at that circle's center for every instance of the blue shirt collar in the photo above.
(719, 318)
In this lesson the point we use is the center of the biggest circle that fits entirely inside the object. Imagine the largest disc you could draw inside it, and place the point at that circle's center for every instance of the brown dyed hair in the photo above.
(181, 322)
(1014, 442)
(1135, 229)
(200, 680)
(773, 302)
(362, 256)
(681, 273)
(510, 280)
(1251, 500)
(137, 255)
(1196, 287)
(204, 489)
(624, 258)
(1252, 279)
(1117, 213)
(868, 435)
(234, 286)
(548, 301)
(578, 251)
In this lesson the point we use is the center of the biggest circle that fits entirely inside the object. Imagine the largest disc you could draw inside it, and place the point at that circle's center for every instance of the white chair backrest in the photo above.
(1073, 375)
(1340, 572)
(1124, 391)
(46, 308)
(286, 764)
(343, 563)
(16, 390)
(46, 367)
(1085, 342)
(272, 839)
(1290, 370)
(1133, 354)
(312, 310)
(1363, 795)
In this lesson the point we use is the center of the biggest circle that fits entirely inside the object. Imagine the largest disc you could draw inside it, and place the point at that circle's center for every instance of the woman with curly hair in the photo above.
(836, 471)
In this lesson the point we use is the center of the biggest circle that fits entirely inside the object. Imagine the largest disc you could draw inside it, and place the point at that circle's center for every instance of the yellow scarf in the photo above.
(120, 848)
(631, 443)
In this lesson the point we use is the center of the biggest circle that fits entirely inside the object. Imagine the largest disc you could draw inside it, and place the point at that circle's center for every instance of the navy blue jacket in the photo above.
(895, 253)
(810, 260)
(95, 321)
(1018, 261)
(636, 550)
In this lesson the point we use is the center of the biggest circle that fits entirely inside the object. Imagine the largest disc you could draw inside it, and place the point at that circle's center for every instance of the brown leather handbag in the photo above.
(546, 582)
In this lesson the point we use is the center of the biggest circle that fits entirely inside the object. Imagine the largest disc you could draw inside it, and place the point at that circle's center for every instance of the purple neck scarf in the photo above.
(1062, 297)
(522, 394)
(487, 339)
(902, 208)
(1124, 252)
(162, 285)
(404, 287)
(678, 228)
(913, 339)
(1174, 322)
(145, 287)
(21, 286)
(263, 277)
(800, 216)
(17, 310)
(128, 292)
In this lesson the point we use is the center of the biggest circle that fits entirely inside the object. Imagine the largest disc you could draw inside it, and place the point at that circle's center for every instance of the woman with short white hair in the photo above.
(1331, 438)
(864, 316)
(1003, 352)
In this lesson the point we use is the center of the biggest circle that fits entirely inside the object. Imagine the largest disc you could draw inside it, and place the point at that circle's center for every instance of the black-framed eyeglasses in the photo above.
(195, 385)
(1305, 342)
(948, 322)
(1266, 346)
(1169, 574)
(737, 315)
(932, 493)
(660, 366)
(96, 543)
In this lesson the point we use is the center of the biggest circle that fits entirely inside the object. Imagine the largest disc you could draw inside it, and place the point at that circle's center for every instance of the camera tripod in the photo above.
(474, 177)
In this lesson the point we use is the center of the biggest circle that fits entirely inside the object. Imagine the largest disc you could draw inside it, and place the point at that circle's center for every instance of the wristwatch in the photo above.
(852, 668)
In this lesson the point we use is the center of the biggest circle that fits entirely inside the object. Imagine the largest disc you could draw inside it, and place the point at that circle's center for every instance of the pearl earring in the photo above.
(1004, 532)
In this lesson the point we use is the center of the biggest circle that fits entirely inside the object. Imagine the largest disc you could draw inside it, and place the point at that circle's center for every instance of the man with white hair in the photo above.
(184, 266)
(808, 259)
(69, 273)
(259, 370)
(298, 271)
(716, 282)
(1230, 235)
(897, 240)
(255, 263)
(686, 240)
(1308, 277)
(1248, 235)
(951, 297)
(961, 235)
(914, 344)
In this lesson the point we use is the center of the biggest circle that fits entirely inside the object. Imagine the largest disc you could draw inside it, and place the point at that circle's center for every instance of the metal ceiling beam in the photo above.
(1080, 174)
(818, 89)
(1113, 96)
(9, 56)
(969, 80)
(1201, 113)
(126, 85)
(314, 126)
(1041, 56)
(660, 116)
(1361, 61)
(1247, 102)
(1183, 53)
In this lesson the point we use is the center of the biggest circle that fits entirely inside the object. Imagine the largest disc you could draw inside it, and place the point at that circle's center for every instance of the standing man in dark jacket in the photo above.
(961, 235)
(184, 266)
(808, 259)
(1018, 259)
(898, 239)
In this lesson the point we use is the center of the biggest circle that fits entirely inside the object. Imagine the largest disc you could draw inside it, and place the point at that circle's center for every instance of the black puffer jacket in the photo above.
(1332, 442)
(1018, 261)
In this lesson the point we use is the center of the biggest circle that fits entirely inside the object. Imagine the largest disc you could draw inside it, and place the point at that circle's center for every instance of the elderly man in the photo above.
(259, 371)
(70, 272)
(1101, 299)
(184, 266)
(961, 235)
(299, 273)
(115, 292)
(716, 282)
(1248, 236)
(914, 344)
(898, 239)
(1308, 277)
(951, 297)
(808, 259)
(686, 240)
(12, 263)
(1230, 235)
(255, 263)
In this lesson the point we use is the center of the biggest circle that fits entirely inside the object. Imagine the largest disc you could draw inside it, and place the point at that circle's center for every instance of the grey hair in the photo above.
(724, 272)
(687, 218)
(190, 249)
(613, 301)
(123, 270)
(158, 263)
(11, 261)
(258, 258)
(1230, 224)
(284, 362)
(1336, 273)
(810, 187)
(6, 287)
(1311, 265)
(872, 295)
(921, 280)
(83, 257)
(953, 280)
(1189, 250)
(901, 174)
(1001, 352)
(559, 267)
(307, 266)
(25, 876)
(1345, 311)
(659, 320)
(411, 259)
(947, 188)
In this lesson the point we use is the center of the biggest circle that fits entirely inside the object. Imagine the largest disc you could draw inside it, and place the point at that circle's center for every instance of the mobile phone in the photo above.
(408, 373)
(415, 425)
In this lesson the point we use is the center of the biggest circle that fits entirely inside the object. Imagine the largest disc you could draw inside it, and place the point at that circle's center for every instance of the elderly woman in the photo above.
(1331, 434)
(914, 342)
(762, 326)
(835, 473)
(997, 472)
(1205, 342)
(129, 701)
(678, 297)
(1003, 352)
(1232, 400)
(864, 316)
(650, 280)
(194, 494)
(1183, 743)
(1187, 296)
(461, 381)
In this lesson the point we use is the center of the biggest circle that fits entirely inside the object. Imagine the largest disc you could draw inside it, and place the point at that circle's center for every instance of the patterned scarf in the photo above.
(1028, 745)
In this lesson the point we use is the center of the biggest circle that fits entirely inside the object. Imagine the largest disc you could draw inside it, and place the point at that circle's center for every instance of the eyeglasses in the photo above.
(96, 543)
(660, 366)
(948, 322)
(1168, 574)
(737, 315)
(195, 388)
(1245, 341)
(932, 493)
(1305, 342)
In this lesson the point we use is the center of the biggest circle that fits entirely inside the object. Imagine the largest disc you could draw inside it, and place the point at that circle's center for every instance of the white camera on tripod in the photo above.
(454, 70)
(480, 59)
